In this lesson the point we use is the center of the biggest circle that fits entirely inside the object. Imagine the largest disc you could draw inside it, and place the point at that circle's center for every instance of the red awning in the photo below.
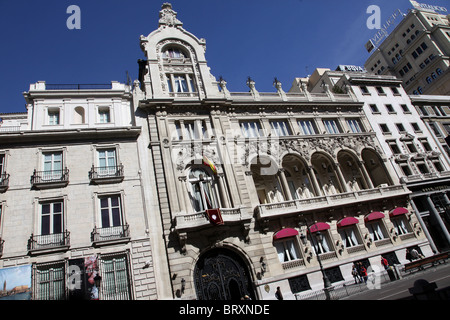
(398, 211)
(284, 233)
(348, 221)
(319, 226)
(374, 216)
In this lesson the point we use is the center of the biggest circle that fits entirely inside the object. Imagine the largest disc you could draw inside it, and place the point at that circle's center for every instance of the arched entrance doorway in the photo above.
(220, 274)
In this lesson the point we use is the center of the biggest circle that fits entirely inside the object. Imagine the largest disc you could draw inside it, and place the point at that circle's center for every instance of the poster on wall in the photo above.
(15, 283)
(81, 276)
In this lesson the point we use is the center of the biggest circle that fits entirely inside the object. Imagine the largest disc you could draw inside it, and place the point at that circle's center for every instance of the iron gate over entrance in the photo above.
(221, 274)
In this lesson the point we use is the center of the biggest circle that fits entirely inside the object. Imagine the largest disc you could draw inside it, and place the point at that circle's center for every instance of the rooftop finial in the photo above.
(168, 17)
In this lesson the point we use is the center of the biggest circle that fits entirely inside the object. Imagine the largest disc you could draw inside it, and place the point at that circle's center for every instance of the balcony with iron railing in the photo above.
(108, 174)
(198, 220)
(49, 242)
(115, 234)
(4, 182)
(277, 209)
(50, 178)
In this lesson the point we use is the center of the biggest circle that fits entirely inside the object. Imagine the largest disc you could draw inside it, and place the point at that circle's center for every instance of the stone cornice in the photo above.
(73, 135)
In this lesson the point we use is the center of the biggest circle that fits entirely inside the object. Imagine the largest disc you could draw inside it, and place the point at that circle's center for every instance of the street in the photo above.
(399, 289)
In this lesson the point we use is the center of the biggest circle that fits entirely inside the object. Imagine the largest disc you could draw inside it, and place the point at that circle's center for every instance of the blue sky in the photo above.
(258, 38)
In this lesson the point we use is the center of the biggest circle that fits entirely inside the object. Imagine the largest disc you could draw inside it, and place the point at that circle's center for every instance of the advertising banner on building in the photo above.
(15, 283)
(81, 276)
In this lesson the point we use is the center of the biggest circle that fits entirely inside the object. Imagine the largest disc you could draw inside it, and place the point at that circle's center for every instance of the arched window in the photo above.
(78, 117)
(439, 71)
(179, 83)
(203, 190)
(173, 53)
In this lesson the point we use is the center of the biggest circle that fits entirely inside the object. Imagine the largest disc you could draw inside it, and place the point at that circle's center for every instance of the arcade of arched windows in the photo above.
(323, 175)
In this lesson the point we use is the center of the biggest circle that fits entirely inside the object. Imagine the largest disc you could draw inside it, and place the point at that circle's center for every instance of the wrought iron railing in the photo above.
(97, 86)
(106, 172)
(50, 176)
(110, 233)
(4, 180)
(48, 241)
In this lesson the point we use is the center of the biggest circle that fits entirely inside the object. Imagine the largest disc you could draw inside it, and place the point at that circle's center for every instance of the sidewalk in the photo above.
(382, 280)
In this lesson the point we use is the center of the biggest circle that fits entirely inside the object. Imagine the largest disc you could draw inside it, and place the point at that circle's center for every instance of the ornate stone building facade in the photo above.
(253, 187)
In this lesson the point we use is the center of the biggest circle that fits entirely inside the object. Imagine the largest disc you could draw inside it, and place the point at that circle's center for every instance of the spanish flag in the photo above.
(210, 164)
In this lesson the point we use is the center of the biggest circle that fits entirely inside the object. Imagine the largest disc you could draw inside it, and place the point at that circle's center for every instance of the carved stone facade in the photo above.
(245, 181)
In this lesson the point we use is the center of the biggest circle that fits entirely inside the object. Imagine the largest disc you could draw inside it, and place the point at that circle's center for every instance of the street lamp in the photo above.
(319, 238)
(98, 282)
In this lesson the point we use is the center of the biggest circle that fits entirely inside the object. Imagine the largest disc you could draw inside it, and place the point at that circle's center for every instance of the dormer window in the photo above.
(180, 83)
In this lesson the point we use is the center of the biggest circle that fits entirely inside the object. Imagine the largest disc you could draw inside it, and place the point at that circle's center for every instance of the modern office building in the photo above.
(410, 145)
(254, 187)
(417, 52)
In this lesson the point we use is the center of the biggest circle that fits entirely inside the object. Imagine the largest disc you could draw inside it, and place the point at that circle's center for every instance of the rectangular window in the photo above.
(376, 231)
(348, 236)
(280, 128)
(2, 164)
(331, 126)
(50, 282)
(190, 130)
(110, 211)
(53, 117)
(426, 146)
(384, 128)
(406, 170)
(322, 246)
(411, 147)
(107, 162)
(401, 225)
(380, 90)
(435, 129)
(51, 218)
(355, 125)
(364, 90)
(394, 147)
(115, 278)
(287, 250)
(103, 115)
(400, 127)
(250, 129)
(374, 108)
(53, 165)
(389, 108)
(307, 127)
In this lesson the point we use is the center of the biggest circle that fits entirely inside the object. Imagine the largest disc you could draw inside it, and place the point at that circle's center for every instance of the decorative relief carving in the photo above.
(277, 147)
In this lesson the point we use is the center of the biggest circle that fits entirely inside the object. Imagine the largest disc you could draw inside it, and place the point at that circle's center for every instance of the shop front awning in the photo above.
(375, 215)
(348, 221)
(319, 226)
(398, 211)
(285, 233)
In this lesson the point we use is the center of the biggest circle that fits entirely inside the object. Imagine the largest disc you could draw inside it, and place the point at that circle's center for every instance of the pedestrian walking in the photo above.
(363, 271)
(355, 272)
(384, 263)
(414, 254)
(408, 255)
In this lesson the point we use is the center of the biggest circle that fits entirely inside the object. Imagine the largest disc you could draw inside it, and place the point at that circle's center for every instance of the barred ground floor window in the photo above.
(49, 281)
(74, 278)
(115, 278)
